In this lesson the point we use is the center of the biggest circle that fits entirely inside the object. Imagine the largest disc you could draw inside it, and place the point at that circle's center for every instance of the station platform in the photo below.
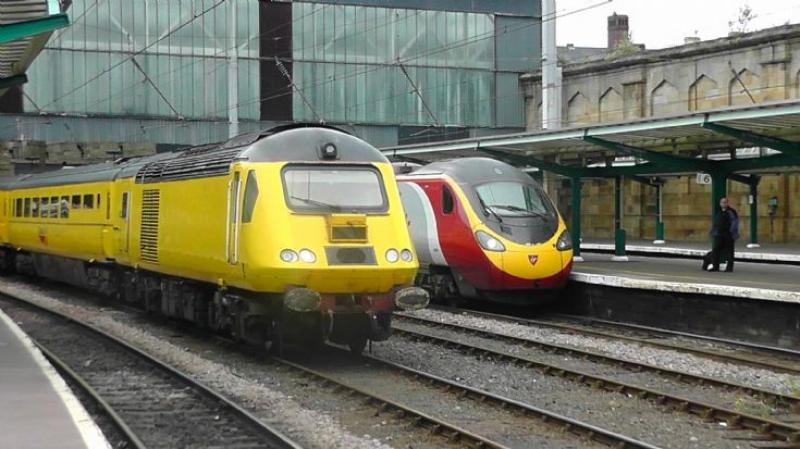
(766, 253)
(749, 280)
(37, 408)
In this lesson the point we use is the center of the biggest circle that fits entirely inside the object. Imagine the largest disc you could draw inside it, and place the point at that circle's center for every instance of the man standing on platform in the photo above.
(724, 233)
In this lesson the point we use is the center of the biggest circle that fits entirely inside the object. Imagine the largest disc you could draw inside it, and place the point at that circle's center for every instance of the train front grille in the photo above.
(350, 255)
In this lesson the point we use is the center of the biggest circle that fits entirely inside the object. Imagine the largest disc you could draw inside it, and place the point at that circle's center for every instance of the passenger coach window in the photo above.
(64, 207)
(88, 201)
(447, 200)
(18, 207)
(250, 197)
(76, 201)
(45, 206)
(53, 207)
(35, 207)
(27, 207)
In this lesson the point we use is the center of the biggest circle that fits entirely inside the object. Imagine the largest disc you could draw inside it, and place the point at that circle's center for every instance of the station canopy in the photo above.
(763, 138)
(25, 27)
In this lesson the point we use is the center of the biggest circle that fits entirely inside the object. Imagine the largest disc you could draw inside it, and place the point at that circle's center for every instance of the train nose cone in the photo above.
(412, 298)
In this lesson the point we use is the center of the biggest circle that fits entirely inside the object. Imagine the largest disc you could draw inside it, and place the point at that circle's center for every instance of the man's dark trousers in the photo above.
(722, 250)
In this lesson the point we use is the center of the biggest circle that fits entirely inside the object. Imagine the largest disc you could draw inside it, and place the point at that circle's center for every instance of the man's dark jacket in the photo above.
(727, 225)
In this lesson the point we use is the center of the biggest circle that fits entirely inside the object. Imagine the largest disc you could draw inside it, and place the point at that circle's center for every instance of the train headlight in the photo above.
(392, 255)
(489, 243)
(406, 255)
(564, 242)
(307, 256)
(289, 256)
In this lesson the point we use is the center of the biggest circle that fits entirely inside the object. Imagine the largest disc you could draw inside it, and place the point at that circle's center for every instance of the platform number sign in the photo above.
(703, 178)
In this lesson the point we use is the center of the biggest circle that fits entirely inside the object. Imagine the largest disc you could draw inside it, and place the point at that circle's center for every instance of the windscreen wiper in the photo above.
(332, 207)
(489, 211)
(519, 209)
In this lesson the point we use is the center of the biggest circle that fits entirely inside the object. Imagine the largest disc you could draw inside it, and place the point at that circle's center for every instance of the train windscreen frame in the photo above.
(334, 189)
(515, 199)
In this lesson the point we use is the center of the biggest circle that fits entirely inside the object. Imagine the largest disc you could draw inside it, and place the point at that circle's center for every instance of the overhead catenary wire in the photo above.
(435, 51)
(446, 48)
(406, 60)
(113, 66)
(594, 118)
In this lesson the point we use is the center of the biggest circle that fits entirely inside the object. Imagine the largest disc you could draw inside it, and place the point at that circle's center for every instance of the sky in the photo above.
(664, 23)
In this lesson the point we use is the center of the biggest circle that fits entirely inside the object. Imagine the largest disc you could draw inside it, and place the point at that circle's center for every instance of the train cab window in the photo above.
(44, 205)
(124, 210)
(448, 203)
(88, 201)
(53, 207)
(250, 197)
(35, 208)
(18, 207)
(64, 207)
(27, 208)
(76, 202)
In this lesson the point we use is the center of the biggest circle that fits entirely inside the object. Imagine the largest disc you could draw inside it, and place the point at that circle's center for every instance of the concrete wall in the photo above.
(32, 156)
(686, 206)
(754, 68)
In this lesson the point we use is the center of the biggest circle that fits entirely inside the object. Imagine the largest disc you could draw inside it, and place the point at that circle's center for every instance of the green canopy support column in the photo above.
(576, 219)
(754, 180)
(619, 231)
(719, 190)
(659, 215)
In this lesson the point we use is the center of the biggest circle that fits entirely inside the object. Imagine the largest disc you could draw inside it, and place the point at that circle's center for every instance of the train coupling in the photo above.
(412, 298)
(302, 300)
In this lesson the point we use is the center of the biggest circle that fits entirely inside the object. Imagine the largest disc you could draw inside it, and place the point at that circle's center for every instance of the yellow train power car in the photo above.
(297, 232)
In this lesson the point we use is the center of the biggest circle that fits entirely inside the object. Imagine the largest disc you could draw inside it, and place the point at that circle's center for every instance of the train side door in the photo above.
(234, 213)
(125, 222)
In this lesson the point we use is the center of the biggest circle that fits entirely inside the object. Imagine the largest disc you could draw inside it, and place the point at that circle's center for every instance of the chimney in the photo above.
(617, 30)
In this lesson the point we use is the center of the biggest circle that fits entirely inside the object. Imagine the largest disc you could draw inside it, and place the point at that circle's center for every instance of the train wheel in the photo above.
(274, 344)
(357, 344)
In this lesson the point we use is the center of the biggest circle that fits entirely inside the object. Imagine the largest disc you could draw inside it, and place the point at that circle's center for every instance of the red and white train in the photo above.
(484, 230)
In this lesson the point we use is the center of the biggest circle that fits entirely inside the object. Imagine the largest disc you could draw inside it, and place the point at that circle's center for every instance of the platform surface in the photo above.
(37, 409)
(749, 280)
(768, 252)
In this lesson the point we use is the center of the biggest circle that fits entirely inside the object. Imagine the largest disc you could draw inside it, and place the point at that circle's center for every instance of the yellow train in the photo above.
(297, 232)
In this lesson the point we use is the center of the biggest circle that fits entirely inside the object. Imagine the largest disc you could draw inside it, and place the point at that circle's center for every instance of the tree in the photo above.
(742, 22)
(625, 48)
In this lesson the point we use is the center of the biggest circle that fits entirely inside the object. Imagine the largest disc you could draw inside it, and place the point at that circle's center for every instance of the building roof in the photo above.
(25, 27)
(571, 54)
(608, 61)
(667, 145)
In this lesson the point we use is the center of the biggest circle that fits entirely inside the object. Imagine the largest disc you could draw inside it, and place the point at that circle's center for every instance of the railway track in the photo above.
(524, 416)
(150, 404)
(778, 430)
(732, 351)
(512, 413)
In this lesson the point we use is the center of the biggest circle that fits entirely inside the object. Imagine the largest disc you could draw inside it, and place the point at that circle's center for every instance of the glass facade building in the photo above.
(391, 67)
(149, 58)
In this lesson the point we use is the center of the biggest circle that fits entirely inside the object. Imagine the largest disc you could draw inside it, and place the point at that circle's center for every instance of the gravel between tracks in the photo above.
(309, 427)
(625, 414)
(665, 358)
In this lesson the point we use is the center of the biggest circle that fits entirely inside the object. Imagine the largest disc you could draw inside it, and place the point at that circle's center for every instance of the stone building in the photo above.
(609, 87)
